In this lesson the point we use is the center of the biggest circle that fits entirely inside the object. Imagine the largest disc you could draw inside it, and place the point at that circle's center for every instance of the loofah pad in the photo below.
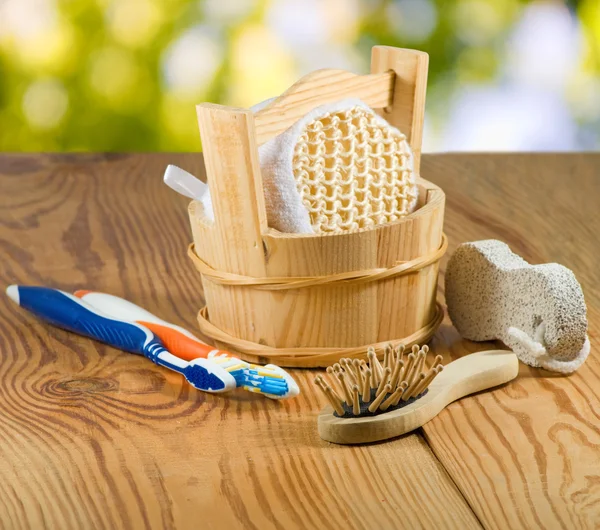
(536, 310)
(341, 167)
(353, 171)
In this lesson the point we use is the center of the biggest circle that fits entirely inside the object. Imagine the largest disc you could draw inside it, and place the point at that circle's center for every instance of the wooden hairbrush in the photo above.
(374, 400)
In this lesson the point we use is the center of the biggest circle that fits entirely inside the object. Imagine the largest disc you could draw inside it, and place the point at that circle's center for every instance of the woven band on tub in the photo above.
(346, 278)
(311, 357)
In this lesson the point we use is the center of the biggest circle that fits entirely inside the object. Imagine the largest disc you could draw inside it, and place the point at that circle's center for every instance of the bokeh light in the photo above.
(44, 103)
(125, 75)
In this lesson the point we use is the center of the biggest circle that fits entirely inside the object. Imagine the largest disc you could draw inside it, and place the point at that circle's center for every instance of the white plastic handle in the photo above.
(185, 183)
(122, 309)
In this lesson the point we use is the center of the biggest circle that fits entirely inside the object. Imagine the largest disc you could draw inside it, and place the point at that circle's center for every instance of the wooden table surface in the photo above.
(91, 437)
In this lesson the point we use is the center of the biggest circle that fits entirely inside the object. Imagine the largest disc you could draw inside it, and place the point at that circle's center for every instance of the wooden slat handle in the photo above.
(234, 178)
(407, 110)
(318, 88)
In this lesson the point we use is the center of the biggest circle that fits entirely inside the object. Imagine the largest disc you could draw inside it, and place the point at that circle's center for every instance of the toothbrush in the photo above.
(270, 380)
(73, 314)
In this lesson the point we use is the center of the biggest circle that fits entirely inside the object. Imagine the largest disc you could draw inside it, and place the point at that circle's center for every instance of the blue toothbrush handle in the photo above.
(73, 314)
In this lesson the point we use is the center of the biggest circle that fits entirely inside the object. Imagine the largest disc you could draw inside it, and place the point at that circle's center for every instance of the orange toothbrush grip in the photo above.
(177, 343)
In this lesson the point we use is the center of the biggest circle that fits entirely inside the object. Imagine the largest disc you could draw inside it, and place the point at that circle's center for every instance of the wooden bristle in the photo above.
(410, 360)
(400, 351)
(396, 374)
(355, 401)
(375, 366)
(320, 383)
(378, 367)
(358, 372)
(348, 372)
(335, 402)
(417, 368)
(366, 393)
(384, 380)
(429, 377)
(388, 357)
(437, 361)
(410, 391)
(424, 383)
(331, 395)
(345, 388)
(395, 359)
(397, 378)
(402, 372)
(403, 386)
(333, 392)
(379, 398)
(363, 368)
(373, 381)
(396, 395)
(337, 385)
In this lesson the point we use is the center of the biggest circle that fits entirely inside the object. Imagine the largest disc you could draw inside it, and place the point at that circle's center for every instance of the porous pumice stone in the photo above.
(341, 167)
(536, 310)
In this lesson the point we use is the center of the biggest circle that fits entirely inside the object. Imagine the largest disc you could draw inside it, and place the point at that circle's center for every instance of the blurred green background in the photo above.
(124, 75)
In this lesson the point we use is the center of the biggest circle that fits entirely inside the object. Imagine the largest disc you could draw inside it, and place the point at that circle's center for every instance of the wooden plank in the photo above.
(526, 455)
(95, 438)
(236, 190)
(234, 243)
(407, 110)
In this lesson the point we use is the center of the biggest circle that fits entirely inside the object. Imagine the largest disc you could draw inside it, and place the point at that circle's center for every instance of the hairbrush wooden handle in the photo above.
(467, 375)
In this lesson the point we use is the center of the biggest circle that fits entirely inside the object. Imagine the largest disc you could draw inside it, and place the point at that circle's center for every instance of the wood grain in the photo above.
(526, 455)
(95, 438)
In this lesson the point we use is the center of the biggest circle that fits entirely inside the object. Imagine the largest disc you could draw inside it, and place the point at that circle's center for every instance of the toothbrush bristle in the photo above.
(369, 387)
(255, 378)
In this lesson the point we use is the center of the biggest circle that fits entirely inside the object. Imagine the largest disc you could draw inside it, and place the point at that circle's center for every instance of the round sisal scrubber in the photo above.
(341, 167)
(536, 310)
